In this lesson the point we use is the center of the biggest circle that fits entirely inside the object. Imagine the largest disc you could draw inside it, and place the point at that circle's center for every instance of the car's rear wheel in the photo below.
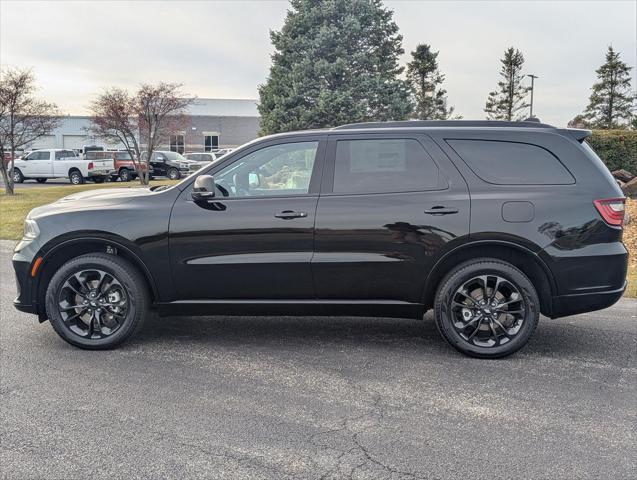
(75, 177)
(17, 176)
(486, 308)
(41, 180)
(97, 301)
(174, 174)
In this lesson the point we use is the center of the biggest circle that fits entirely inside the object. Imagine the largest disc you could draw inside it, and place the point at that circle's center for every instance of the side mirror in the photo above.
(203, 188)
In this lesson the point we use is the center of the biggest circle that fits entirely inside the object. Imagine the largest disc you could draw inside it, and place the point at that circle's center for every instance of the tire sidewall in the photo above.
(173, 174)
(138, 303)
(464, 273)
(124, 175)
(76, 175)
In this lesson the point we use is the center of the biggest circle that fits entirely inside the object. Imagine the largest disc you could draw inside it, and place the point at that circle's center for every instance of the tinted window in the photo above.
(383, 165)
(283, 169)
(510, 163)
(122, 156)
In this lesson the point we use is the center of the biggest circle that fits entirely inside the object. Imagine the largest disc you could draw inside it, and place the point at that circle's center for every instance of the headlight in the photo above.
(31, 230)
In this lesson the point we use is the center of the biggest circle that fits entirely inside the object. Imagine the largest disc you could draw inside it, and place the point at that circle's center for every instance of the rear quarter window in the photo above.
(511, 163)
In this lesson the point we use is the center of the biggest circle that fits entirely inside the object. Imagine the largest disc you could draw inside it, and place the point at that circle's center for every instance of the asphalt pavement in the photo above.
(318, 398)
(51, 182)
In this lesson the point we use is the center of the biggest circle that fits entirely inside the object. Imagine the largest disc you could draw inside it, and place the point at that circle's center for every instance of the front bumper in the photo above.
(24, 301)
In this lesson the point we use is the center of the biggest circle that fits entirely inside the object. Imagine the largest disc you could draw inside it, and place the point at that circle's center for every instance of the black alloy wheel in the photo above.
(486, 308)
(97, 301)
(487, 311)
(93, 303)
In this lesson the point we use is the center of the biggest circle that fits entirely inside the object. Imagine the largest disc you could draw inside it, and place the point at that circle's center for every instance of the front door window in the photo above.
(283, 169)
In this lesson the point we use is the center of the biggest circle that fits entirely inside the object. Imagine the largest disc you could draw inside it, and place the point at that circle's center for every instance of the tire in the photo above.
(174, 174)
(125, 175)
(76, 178)
(127, 285)
(17, 176)
(41, 180)
(497, 332)
(98, 179)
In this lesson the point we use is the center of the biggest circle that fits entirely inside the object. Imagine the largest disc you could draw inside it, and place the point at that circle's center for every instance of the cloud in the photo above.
(222, 49)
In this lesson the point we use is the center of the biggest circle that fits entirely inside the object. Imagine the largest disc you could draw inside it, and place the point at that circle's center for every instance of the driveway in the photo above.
(333, 398)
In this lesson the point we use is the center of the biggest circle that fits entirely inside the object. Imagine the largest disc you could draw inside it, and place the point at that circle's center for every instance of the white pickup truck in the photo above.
(57, 163)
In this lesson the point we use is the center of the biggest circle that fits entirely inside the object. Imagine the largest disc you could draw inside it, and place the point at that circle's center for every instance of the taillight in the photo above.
(611, 210)
(90, 165)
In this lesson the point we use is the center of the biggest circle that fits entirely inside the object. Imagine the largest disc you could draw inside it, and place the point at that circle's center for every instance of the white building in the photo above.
(211, 123)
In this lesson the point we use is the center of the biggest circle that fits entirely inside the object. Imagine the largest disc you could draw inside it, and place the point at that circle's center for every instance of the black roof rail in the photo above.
(534, 123)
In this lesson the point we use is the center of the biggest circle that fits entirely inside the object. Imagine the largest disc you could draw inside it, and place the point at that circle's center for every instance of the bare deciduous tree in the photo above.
(145, 118)
(114, 120)
(23, 118)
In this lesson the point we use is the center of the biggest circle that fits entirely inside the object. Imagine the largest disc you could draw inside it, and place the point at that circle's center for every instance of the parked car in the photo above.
(124, 167)
(169, 164)
(200, 157)
(41, 165)
(487, 223)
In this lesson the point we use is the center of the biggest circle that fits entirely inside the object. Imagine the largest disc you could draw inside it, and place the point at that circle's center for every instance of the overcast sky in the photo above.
(221, 49)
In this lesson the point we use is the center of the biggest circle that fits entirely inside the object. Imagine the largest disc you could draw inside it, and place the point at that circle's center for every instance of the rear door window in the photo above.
(511, 163)
(387, 165)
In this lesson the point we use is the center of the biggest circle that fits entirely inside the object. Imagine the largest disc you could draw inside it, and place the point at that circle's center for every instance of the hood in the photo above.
(91, 199)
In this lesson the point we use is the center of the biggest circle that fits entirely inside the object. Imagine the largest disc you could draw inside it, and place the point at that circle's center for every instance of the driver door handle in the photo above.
(440, 210)
(289, 214)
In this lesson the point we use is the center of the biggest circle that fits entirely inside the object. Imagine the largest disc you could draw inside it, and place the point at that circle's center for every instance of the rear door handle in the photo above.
(289, 214)
(440, 210)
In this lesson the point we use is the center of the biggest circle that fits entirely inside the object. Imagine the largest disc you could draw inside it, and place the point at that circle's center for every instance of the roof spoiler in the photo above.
(578, 134)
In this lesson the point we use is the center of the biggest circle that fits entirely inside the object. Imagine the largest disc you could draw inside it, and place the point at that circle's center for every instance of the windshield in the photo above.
(174, 156)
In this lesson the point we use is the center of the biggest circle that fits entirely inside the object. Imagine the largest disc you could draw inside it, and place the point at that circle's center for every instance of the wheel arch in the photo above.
(519, 256)
(59, 250)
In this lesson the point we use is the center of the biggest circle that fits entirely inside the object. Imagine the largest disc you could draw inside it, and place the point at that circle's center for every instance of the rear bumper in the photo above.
(589, 278)
(565, 305)
(101, 173)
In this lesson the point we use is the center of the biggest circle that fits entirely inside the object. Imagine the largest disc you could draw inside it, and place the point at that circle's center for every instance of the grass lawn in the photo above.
(14, 209)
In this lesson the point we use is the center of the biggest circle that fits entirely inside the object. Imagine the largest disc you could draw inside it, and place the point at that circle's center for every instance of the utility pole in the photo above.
(533, 77)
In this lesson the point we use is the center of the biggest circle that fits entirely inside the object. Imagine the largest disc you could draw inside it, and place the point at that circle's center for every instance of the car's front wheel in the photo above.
(17, 176)
(486, 308)
(97, 301)
(174, 174)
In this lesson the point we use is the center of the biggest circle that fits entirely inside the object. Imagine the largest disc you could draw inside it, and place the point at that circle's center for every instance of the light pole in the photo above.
(533, 77)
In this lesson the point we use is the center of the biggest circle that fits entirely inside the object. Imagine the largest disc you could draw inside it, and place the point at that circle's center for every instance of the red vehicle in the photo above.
(124, 166)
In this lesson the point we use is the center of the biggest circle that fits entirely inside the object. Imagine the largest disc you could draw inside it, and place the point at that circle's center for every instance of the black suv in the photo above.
(488, 223)
(168, 164)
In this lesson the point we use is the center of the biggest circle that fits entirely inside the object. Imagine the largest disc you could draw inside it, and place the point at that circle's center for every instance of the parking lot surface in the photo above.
(320, 398)
(52, 182)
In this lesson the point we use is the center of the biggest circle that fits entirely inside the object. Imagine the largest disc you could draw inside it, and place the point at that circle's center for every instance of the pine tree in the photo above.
(508, 102)
(612, 100)
(426, 81)
(335, 62)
